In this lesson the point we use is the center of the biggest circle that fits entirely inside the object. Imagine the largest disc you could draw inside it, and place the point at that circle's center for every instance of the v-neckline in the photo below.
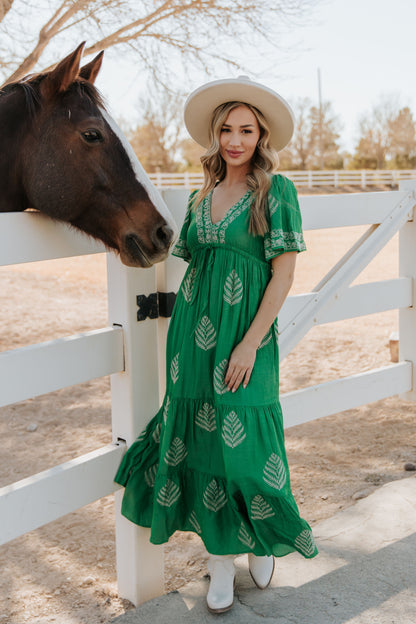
(229, 211)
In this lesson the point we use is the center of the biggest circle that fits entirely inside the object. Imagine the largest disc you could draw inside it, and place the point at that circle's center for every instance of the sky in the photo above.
(363, 48)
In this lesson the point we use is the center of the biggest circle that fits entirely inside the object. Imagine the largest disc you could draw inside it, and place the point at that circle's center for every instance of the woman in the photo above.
(213, 460)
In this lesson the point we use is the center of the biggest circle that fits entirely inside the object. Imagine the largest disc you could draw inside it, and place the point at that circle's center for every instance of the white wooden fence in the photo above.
(137, 382)
(364, 178)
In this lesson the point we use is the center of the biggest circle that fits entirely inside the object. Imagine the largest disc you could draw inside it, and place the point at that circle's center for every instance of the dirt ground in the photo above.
(65, 571)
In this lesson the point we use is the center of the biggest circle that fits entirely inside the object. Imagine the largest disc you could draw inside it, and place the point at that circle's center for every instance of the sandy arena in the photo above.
(65, 571)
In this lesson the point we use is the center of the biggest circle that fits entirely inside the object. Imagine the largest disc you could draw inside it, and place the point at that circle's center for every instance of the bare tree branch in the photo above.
(311, 136)
(46, 33)
(195, 29)
(5, 6)
(387, 136)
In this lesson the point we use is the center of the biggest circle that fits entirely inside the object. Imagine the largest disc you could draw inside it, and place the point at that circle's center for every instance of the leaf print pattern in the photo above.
(206, 418)
(166, 410)
(214, 497)
(276, 329)
(168, 494)
(188, 285)
(150, 475)
(232, 430)
(205, 334)
(244, 537)
(266, 339)
(219, 374)
(260, 509)
(273, 204)
(274, 472)
(156, 433)
(142, 436)
(174, 368)
(176, 453)
(305, 543)
(194, 522)
(233, 289)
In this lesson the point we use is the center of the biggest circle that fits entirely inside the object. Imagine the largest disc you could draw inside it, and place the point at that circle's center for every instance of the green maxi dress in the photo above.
(213, 461)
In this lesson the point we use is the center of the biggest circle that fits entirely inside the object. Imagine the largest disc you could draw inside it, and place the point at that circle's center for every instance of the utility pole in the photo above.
(320, 124)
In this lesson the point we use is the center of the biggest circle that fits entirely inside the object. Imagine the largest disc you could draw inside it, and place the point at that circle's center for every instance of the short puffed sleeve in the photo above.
(180, 248)
(285, 233)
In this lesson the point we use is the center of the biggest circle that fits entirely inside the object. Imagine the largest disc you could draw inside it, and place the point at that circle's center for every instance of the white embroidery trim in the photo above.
(279, 239)
(209, 232)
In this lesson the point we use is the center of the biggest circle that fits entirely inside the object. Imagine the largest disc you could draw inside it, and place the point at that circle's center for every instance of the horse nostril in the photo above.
(162, 236)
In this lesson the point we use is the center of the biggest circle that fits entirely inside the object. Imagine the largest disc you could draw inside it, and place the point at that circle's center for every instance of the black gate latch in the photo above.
(155, 305)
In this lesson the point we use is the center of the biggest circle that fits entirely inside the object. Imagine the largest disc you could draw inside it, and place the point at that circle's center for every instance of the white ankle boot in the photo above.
(220, 595)
(261, 569)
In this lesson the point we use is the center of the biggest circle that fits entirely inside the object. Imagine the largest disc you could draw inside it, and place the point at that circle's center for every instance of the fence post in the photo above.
(187, 182)
(363, 179)
(407, 268)
(135, 400)
(169, 275)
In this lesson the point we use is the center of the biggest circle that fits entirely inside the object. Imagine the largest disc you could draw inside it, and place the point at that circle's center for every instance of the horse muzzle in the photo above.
(162, 237)
(135, 253)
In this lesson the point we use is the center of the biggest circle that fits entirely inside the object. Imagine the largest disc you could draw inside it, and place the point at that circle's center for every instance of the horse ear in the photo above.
(64, 74)
(90, 71)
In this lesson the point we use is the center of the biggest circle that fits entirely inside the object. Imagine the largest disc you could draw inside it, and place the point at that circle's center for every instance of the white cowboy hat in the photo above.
(202, 102)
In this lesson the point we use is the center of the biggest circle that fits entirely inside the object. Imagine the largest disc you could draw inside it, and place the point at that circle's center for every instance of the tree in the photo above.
(324, 134)
(387, 137)
(148, 142)
(191, 154)
(402, 139)
(296, 154)
(314, 143)
(373, 145)
(156, 141)
(164, 34)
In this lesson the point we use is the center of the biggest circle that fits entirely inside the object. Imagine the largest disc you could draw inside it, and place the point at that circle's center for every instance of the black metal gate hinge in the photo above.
(155, 305)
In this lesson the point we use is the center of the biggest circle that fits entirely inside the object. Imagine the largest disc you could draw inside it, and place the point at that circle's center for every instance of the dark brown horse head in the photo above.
(68, 159)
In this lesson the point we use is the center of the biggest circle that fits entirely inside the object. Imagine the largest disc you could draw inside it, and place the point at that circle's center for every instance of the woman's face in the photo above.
(239, 136)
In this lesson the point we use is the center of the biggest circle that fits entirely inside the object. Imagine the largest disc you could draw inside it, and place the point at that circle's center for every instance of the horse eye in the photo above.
(92, 136)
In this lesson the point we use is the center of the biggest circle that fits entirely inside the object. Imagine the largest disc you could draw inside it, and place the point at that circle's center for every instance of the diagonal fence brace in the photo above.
(344, 272)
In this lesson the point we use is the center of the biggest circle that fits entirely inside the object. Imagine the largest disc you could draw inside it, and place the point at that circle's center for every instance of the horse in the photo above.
(62, 154)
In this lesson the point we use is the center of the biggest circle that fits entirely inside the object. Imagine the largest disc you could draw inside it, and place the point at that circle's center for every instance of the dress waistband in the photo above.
(215, 246)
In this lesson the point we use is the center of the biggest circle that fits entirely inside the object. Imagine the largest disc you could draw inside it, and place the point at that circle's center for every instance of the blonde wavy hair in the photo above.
(264, 164)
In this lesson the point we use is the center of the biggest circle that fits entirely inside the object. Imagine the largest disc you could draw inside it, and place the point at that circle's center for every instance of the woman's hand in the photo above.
(240, 366)
(242, 358)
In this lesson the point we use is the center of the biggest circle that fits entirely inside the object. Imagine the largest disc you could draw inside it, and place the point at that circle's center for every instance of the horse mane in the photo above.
(31, 88)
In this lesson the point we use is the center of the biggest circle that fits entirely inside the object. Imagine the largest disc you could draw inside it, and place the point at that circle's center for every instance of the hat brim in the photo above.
(202, 102)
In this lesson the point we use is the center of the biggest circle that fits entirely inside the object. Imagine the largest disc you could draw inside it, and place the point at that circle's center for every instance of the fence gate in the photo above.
(132, 352)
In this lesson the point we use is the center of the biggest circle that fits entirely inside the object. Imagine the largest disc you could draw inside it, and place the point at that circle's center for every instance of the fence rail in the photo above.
(363, 178)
